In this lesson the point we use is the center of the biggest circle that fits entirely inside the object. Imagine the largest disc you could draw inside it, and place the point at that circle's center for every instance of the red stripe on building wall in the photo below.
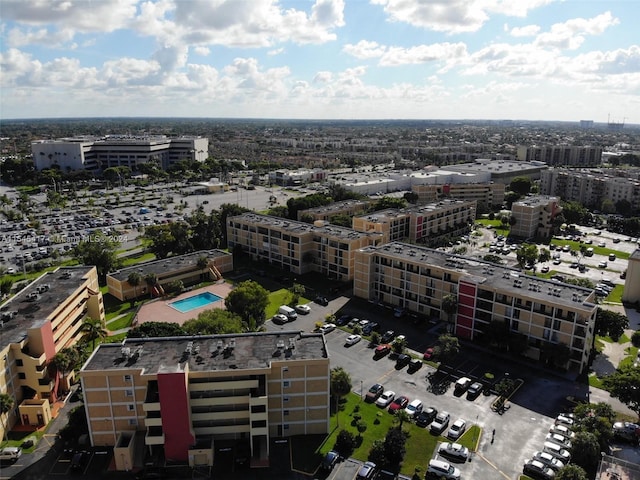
(466, 308)
(174, 410)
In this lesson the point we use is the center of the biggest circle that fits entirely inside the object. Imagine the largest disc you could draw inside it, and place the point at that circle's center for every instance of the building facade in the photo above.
(299, 247)
(327, 212)
(534, 216)
(557, 155)
(420, 224)
(542, 314)
(486, 195)
(631, 293)
(99, 153)
(190, 396)
(38, 322)
(191, 268)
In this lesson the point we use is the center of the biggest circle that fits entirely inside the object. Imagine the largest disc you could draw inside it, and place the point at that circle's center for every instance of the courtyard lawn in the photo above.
(280, 297)
(122, 322)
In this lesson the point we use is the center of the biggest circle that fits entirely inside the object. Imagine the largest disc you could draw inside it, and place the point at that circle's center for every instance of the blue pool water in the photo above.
(202, 299)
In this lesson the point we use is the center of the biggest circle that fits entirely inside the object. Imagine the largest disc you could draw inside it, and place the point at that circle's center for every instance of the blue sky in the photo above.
(326, 59)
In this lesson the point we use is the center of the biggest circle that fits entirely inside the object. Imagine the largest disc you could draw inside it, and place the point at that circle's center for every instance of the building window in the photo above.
(127, 378)
(286, 384)
(130, 407)
(22, 376)
(128, 393)
(133, 421)
(285, 399)
(286, 426)
(19, 362)
(285, 413)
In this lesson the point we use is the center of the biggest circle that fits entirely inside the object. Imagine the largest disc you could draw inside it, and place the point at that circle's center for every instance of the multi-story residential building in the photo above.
(299, 247)
(567, 155)
(327, 212)
(190, 268)
(38, 322)
(420, 224)
(189, 396)
(541, 313)
(99, 153)
(534, 216)
(590, 187)
(631, 293)
(486, 195)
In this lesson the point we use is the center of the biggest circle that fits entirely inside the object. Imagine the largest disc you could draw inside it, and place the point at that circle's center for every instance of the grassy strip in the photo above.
(145, 257)
(123, 322)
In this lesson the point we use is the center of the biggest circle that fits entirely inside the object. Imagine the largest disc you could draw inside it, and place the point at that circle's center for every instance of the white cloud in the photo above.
(526, 31)
(20, 37)
(571, 34)
(202, 51)
(364, 50)
(274, 52)
(395, 56)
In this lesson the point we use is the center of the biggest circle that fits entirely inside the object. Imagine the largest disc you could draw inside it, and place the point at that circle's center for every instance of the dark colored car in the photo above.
(374, 392)
(77, 462)
(320, 300)
(402, 360)
(370, 327)
(399, 403)
(343, 320)
(329, 461)
(474, 390)
(387, 336)
(415, 365)
(426, 416)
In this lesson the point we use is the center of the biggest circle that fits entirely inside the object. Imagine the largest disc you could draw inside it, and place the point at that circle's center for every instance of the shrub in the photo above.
(345, 443)
(635, 338)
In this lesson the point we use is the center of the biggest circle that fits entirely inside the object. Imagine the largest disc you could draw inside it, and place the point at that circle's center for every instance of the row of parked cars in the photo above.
(545, 463)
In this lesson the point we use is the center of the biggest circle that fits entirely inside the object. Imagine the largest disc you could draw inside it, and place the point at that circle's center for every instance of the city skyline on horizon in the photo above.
(460, 60)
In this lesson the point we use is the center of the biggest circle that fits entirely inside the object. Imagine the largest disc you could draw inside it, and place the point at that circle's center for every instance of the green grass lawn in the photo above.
(419, 447)
(145, 257)
(123, 322)
(280, 297)
(596, 250)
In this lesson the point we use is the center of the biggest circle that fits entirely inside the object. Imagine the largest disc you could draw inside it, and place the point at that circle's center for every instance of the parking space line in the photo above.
(493, 466)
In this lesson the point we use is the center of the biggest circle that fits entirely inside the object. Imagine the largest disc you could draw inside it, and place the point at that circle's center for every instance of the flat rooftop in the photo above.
(498, 166)
(181, 262)
(338, 206)
(208, 352)
(298, 228)
(382, 216)
(492, 276)
(37, 301)
(537, 200)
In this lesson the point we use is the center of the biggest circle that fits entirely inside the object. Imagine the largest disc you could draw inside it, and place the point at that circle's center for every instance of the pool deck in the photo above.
(160, 310)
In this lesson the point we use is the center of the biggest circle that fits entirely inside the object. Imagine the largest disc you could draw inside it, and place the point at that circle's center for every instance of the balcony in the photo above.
(154, 436)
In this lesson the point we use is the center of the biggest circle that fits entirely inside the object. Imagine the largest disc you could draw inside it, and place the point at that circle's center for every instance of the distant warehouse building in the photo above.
(545, 320)
(99, 153)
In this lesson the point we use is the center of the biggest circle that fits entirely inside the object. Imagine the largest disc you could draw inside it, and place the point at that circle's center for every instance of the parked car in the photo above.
(303, 309)
(564, 420)
(413, 408)
(548, 459)
(402, 360)
(562, 430)
(559, 439)
(352, 340)
(557, 451)
(320, 300)
(367, 471)
(626, 430)
(382, 350)
(457, 429)
(386, 398)
(10, 453)
(343, 320)
(327, 327)
(374, 393)
(545, 269)
(426, 416)
(279, 318)
(398, 404)
(462, 384)
(387, 336)
(414, 365)
(474, 390)
(442, 469)
(329, 461)
(440, 423)
(370, 327)
(538, 470)
(453, 451)
(428, 354)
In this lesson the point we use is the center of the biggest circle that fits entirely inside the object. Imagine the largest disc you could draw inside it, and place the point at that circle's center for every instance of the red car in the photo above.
(398, 404)
(382, 350)
(428, 354)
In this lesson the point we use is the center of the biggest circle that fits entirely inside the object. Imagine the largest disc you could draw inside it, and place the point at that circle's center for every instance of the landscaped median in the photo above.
(307, 452)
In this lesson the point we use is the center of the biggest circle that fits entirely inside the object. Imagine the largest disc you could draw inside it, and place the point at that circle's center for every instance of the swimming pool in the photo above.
(197, 301)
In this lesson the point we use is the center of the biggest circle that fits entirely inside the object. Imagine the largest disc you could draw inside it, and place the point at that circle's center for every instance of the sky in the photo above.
(564, 60)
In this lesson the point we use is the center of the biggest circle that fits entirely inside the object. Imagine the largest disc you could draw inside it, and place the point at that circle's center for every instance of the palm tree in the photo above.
(450, 307)
(151, 279)
(6, 404)
(94, 329)
(401, 417)
(134, 279)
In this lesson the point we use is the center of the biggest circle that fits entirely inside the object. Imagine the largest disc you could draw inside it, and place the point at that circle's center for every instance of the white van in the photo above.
(443, 470)
(289, 312)
(10, 453)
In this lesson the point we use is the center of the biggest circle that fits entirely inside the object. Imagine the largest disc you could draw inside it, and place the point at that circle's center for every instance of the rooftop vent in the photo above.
(280, 344)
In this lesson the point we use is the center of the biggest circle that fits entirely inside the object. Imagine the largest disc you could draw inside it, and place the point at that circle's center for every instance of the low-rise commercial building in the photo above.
(38, 322)
(190, 268)
(189, 396)
(542, 317)
(534, 216)
(299, 247)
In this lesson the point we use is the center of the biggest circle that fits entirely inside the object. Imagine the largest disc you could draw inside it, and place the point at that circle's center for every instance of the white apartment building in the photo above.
(534, 216)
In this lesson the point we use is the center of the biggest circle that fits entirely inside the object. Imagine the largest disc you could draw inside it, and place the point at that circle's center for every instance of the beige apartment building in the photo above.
(299, 247)
(486, 195)
(631, 293)
(193, 397)
(569, 155)
(38, 322)
(327, 212)
(190, 268)
(541, 313)
(534, 216)
(420, 224)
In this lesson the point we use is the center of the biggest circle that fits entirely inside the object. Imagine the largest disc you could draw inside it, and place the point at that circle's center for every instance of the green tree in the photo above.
(339, 386)
(571, 472)
(249, 300)
(411, 197)
(399, 345)
(345, 443)
(341, 220)
(389, 202)
(520, 185)
(527, 254)
(447, 348)
(574, 212)
(450, 307)
(544, 256)
(214, 322)
(5, 286)
(585, 450)
(610, 323)
(297, 290)
(93, 329)
(596, 419)
(100, 251)
(65, 360)
(134, 279)
(6, 405)
(623, 385)
(388, 454)
(635, 338)
(156, 329)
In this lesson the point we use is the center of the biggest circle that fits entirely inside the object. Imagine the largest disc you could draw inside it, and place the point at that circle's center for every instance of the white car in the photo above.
(386, 398)
(352, 340)
(548, 459)
(11, 270)
(457, 429)
(564, 420)
(303, 309)
(280, 318)
(327, 327)
(562, 430)
(454, 450)
(414, 408)
(559, 439)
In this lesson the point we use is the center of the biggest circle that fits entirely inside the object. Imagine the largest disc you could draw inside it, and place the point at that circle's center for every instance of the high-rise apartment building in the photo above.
(562, 155)
(534, 216)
